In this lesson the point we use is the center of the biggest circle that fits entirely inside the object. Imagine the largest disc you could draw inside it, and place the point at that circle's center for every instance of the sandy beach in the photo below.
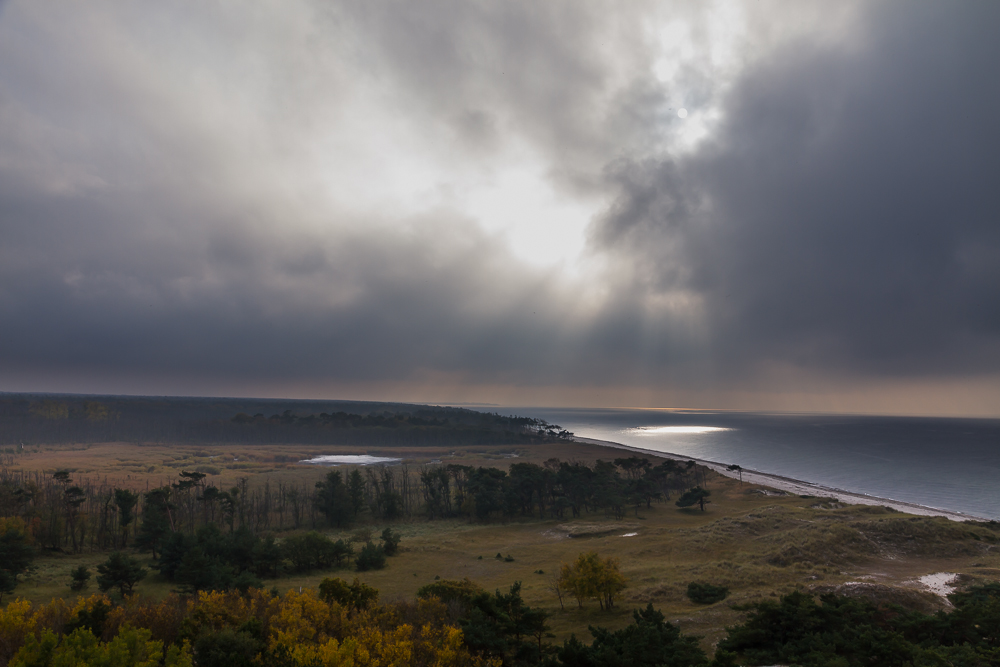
(795, 486)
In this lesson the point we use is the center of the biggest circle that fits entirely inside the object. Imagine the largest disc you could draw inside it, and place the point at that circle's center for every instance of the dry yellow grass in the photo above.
(138, 465)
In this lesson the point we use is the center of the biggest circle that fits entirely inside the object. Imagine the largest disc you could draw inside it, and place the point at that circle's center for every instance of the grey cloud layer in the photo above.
(163, 217)
(846, 216)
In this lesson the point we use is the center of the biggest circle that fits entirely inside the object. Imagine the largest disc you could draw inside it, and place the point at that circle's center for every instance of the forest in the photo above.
(29, 419)
(210, 542)
(209, 537)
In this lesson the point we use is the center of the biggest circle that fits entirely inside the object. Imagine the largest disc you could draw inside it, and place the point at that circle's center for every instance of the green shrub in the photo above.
(448, 590)
(700, 593)
(80, 577)
(228, 647)
(390, 542)
(650, 641)
(353, 596)
(313, 551)
(246, 580)
(120, 571)
(90, 619)
(371, 557)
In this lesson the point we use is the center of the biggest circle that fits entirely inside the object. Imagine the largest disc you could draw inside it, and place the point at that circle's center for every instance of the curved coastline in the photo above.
(795, 486)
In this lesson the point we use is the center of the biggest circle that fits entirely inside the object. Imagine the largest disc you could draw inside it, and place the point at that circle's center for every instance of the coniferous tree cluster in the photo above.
(32, 419)
(556, 489)
(205, 537)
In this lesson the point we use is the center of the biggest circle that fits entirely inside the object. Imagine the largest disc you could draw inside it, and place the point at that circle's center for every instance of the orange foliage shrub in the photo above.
(304, 618)
(163, 619)
(307, 629)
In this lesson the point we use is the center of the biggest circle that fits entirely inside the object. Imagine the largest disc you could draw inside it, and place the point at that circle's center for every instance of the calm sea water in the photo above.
(951, 464)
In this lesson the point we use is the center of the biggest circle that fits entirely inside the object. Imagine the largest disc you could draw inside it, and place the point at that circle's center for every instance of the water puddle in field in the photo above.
(349, 459)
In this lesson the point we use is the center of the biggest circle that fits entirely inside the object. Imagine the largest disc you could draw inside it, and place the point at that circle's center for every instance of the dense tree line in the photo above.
(191, 525)
(213, 560)
(65, 513)
(62, 512)
(427, 419)
(556, 489)
(27, 420)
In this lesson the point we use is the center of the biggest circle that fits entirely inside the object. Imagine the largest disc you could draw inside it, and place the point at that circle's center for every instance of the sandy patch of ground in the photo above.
(940, 583)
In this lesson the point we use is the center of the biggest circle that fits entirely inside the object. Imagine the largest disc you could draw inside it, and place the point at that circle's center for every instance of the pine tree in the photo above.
(120, 571)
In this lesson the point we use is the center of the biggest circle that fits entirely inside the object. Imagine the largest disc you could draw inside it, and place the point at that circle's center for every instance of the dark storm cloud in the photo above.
(144, 237)
(161, 215)
(846, 217)
(436, 295)
(532, 67)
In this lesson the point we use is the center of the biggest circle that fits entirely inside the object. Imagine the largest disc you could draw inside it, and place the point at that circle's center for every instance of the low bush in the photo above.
(80, 577)
(390, 542)
(312, 551)
(448, 590)
(701, 593)
(352, 596)
(371, 557)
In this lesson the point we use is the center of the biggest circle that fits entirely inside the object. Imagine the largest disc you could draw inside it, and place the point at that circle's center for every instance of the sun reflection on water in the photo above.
(668, 430)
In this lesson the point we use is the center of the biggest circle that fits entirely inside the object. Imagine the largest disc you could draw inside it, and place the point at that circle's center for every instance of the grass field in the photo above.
(758, 545)
(141, 465)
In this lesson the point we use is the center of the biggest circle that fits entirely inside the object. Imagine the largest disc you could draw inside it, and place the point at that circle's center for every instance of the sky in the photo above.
(736, 205)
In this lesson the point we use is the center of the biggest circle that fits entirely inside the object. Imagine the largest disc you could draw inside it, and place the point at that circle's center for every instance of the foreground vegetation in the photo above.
(590, 537)
(458, 624)
(752, 544)
(207, 538)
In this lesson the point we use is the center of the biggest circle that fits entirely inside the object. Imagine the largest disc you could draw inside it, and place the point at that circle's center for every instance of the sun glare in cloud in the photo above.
(401, 169)
(379, 158)
(541, 226)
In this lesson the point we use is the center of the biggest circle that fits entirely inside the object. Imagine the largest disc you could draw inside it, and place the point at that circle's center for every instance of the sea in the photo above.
(943, 463)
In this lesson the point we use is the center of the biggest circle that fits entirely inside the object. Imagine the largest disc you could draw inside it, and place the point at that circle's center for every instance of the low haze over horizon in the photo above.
(722, 205)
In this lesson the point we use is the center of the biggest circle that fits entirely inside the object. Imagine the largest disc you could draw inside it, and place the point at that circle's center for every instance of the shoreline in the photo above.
(794, 486)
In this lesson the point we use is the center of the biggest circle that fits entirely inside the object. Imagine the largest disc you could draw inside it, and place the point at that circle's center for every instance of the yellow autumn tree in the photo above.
(299, 627)
(17, 622)
(129, 648)
(221, 609)
(590, 576)
(304, 619)
(161, 617)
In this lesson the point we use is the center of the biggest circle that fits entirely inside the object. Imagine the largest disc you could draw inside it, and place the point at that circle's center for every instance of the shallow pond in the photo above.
(349, 459)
